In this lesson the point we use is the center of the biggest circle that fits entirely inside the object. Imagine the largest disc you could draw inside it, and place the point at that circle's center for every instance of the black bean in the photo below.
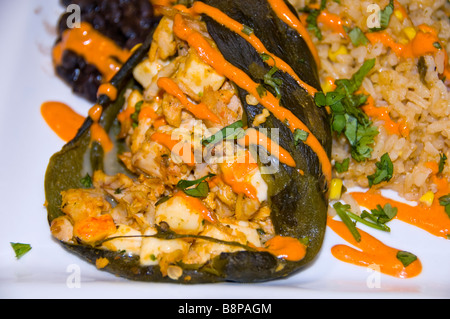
(126, 22)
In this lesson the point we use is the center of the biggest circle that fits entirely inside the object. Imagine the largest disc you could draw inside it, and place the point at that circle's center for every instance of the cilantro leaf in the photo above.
(234, 130)
(445, 201)
(311, 20)
(350, 86)
(247, 30)
(442, 161)
(300, 136)
(384, 171)
(406, 258)
(346, 114)
(357, 36)
(343, 212)
(273, 82)
(20, 249)
(379, 217)
(86, 181)
(201, 188)
(342, 167)
(135, 116)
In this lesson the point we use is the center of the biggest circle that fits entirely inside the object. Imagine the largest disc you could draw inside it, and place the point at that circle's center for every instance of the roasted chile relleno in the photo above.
(225, 77)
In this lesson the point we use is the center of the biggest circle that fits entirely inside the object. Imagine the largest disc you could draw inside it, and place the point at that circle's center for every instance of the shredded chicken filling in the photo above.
(165, 137)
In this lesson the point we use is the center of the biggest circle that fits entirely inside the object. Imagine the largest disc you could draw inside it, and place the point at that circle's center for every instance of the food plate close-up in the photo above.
(257, 149)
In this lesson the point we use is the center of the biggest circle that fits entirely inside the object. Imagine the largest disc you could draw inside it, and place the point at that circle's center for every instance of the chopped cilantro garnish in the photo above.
(300, 136)
(445, 201)
(247, 30)
(201, 188)
(437, 45)
(347, 116)
(385, 17)
(406, 258)
(86, 181)
(442, 161)
(273, 82)
(342, 167)
(20, 249)
(261, 90)
(135, 115)
(234, 130)
(384, 171)
(343, 213)
(379, 217)
(311, 20)
(357, 36)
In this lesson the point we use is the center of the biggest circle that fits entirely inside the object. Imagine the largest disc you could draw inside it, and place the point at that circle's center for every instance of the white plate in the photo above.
(27, 80)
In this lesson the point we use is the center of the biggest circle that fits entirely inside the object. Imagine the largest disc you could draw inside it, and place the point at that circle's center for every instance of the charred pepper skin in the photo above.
(298, 201)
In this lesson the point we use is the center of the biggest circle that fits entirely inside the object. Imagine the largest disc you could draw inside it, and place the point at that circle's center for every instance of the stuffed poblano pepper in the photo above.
(205, 158)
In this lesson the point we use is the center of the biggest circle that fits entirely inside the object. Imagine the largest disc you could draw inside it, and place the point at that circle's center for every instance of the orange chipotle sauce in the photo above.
(371, 251)
(62, 119)
(201, 111)
(421, 44)
(237, 174)
(94, 47)
(432, 219)
(109, 90)
(98, 133)
(382, 113)
(333, 22)
(288, 248)
(255, 137)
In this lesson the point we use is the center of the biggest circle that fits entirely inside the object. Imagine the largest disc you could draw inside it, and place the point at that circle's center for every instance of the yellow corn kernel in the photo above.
(399, 15)
(336, 189)
(410, 32)
(427, 198)
(328, 85)
(403, 40)
(333, 55)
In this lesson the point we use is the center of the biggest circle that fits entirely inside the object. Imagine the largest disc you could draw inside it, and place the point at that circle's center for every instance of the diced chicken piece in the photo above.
(155, 160)
(245, 232)
(168, 70)
(181, 217)
(224, 192)
(80, 204)
(203, 250)
(112, 184)
(62, 229)
(129, 244)
(224, 103)
(153, 250)
(172, 109)
(164, 38)
(197, 75)
(246, 207)
(146, 71)
(133, 197)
